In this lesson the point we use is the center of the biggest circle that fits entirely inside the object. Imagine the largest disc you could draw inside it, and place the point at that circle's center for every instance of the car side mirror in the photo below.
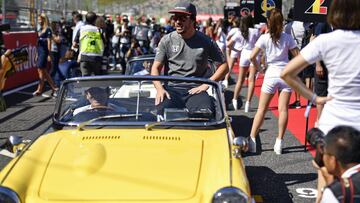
(15, 140)
(13, 146)
(240, 144)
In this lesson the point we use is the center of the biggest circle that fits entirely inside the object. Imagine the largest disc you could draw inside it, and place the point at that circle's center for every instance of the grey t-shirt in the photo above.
(188, 57)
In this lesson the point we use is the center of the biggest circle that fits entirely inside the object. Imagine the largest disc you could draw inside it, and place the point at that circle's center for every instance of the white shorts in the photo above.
(245, 58)
(273, 82)
(235, 54)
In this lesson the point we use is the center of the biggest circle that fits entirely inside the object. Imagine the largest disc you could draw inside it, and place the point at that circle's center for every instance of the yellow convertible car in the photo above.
(109, 144)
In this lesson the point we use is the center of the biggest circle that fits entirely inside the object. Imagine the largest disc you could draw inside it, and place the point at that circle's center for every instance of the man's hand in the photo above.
(319, 70)
(160, 96)
(197, 90)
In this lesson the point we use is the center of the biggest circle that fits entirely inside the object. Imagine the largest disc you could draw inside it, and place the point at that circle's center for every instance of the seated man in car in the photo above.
(99, 101)
(146, 66)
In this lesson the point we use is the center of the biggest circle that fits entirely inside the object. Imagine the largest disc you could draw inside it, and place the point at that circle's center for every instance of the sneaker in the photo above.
(235, 104)
(252, 145)
(295, 105)
(278, 146)
(225, 83)
(247, 107)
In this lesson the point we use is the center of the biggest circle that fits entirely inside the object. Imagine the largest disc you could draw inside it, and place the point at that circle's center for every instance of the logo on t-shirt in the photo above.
(175, 48)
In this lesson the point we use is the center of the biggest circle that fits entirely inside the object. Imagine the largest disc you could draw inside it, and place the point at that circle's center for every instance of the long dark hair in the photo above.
(246, 22)
(275, 23)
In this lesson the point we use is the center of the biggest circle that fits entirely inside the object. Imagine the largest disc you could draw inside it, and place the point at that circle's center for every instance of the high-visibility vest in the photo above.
(91, 43)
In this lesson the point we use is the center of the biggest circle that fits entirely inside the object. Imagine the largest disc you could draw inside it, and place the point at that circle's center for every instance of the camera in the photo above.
(20, 55)
(315, 138)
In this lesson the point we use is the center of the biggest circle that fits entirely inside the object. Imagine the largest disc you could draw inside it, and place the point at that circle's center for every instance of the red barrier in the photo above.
(27, 72)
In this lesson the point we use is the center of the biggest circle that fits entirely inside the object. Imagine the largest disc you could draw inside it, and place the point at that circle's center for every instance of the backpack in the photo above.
(347, 190)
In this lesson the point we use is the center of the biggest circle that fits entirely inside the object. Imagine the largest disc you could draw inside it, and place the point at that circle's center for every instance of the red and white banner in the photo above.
(27, 72)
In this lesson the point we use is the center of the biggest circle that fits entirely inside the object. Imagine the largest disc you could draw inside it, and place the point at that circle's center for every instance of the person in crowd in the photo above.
(141, 32)
(91, 48)
(339, 50)
(155, 39)
(220, 35)
(276, 44)
(321, 73)
(115, 42)
(232, 55)
(341, 157)
(248, 37)
(68, 64)
(55, 53)
(186, 52)
(297, 30)
(134, 50)
(77, 18)
(170, 24)
(106, 34)
(43, 49)
(8, 64)
(209, 29)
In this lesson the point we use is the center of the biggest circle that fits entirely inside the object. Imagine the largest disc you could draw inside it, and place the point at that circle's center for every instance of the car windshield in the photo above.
(108, 101)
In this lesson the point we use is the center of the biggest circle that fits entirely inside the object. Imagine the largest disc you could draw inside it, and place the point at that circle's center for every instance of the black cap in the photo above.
(184, 8)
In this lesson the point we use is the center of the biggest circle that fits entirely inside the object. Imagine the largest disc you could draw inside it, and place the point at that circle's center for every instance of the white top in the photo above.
(297, 30)
(232, 32)
(328, 195)
(254, 35)
(276, 55)
(340, 51)
(76, 29)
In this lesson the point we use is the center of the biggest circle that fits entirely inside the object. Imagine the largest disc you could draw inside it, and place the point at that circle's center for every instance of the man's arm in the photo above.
(160, 91)
(220, 72)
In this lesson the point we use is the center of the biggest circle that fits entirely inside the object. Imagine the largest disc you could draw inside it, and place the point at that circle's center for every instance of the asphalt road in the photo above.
(289, 177)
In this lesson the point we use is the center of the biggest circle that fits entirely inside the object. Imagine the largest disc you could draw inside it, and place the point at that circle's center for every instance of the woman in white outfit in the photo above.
(340, 51)
(247, 36)
(276, 44)
(232, 55)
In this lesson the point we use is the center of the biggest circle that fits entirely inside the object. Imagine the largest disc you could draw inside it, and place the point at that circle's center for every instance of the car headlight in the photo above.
(8, 196)
(230, 195)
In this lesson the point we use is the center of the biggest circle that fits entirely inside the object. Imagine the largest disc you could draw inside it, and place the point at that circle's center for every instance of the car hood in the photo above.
(129, 165)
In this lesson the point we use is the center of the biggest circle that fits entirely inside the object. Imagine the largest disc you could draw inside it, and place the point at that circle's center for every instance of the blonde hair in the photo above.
(45, 19)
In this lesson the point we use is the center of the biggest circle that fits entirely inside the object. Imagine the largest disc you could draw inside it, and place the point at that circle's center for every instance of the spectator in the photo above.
(276, 45)
(297, 30)
(186, 52)
(43, 49)
(8, 64)
(77, 18)
(55, 53)
(91, 48)
(220, 32)
(68, 64)
(342, 160)
(134, 50)
(321, 73)
(247, 37)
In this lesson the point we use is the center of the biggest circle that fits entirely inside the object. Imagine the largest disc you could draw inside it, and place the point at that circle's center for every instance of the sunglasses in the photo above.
(181, 18)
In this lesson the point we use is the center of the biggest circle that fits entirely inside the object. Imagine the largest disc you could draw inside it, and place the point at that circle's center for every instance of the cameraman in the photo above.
(341, 157)
(8, 63)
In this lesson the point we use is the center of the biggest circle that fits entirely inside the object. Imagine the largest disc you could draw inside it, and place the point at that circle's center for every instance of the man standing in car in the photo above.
(186, 52)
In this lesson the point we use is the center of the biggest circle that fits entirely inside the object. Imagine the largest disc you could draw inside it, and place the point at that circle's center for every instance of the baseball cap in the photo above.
(184, 8)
